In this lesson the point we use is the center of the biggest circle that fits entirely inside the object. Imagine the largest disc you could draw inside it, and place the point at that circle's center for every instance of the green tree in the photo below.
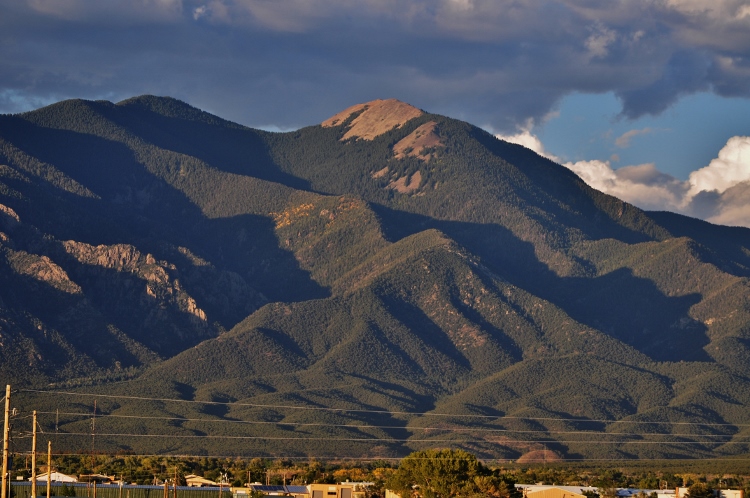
(66, 490)
(700, 490)
(447, 473)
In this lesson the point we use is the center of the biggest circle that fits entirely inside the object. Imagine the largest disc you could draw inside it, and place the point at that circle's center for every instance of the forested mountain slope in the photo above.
(387, 280)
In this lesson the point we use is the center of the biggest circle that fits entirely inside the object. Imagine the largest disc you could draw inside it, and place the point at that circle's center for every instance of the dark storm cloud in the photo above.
(295, 62)
(684, 73)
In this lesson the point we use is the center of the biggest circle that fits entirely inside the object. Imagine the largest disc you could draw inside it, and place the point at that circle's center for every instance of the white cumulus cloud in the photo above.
(730, 168)
(530, 141)
(719, 192)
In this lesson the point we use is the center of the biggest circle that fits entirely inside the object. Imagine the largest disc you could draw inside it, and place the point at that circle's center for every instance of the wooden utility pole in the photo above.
(93, 435)
(49, 469)
(6, 437)
(33, 457)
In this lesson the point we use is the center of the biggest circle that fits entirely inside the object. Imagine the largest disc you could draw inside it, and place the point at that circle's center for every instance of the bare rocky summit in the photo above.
(373, 118)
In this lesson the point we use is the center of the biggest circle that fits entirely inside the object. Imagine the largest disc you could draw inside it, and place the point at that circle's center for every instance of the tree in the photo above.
(448, 473)
(66, 490)
(495, 486)
(700, 490)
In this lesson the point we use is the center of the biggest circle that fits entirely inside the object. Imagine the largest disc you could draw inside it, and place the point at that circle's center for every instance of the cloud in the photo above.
(598, 42)
(199, 12)
(719, 192)
(623, 141)
(294, 62)
(116, 10)
(642, 185)
(502, 64)
(731, 167)
(732, 207)
(526, 138)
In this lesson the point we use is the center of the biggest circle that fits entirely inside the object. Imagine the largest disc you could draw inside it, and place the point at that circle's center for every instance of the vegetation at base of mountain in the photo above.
(218, 279)
(700, 490)
(141, 469)
(444, 473)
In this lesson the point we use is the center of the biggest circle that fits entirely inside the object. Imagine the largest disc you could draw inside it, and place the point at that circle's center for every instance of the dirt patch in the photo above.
(376, 117)
(401, 185)
(381, 173)
(539, 456)
(418, 142)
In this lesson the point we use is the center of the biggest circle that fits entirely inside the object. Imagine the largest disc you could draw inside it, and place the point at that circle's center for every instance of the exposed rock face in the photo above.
(419, 143)
(8, 218)
(43, 269)
(155, 284)
(121, 257)
(405, 184)
(375, 118)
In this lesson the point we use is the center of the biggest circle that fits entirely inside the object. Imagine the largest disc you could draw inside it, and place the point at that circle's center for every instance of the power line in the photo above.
(379, 458)
(394, 440)
(368, 426)
(382, 412)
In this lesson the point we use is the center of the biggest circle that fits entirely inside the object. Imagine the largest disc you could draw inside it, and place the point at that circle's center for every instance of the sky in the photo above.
(648, 100)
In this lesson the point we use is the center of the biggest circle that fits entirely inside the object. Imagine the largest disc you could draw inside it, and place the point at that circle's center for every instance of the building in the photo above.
(527, 489)
(345, 490)
(360, 487)
(718, 493)
(342, 490)
(55, 477)
(194, 481)
(555, 492)
(272, 490)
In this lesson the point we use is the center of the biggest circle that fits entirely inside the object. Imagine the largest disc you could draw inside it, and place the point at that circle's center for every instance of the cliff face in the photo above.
(79, 309)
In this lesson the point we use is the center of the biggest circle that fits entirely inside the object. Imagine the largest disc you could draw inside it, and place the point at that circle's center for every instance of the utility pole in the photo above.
(93, 437)
(6, 437)
(33, 457)
(49, 469)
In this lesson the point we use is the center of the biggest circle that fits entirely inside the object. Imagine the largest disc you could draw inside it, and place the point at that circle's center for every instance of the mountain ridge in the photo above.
(338, 287)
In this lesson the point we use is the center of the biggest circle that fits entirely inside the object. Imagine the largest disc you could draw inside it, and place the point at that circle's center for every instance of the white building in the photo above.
(55, 477)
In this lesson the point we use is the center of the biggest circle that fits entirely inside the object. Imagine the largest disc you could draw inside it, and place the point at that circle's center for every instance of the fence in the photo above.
(86, 490)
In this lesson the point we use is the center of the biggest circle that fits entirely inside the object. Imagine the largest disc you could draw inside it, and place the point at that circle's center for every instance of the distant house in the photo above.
(555, 492)
(341, 490)
(288, 490)
(55, 477)
(194, 481)
(359, 487)
(718, 493)
(344, 490)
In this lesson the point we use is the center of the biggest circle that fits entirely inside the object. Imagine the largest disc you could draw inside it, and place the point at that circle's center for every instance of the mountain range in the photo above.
(388, 280)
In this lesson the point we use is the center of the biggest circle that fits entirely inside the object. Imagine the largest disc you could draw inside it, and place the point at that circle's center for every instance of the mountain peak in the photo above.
(374, 118)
